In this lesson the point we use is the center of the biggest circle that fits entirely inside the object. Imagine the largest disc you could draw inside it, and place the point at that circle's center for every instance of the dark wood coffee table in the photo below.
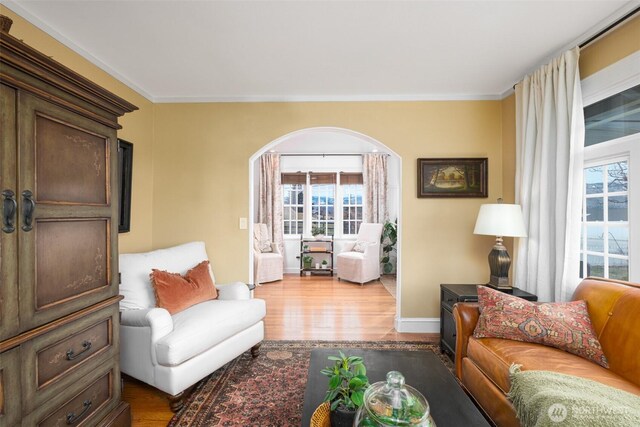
(423, 370)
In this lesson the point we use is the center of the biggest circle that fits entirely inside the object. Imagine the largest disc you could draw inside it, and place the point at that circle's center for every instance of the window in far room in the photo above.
(323, 188)
(293, 185)
(352, 204)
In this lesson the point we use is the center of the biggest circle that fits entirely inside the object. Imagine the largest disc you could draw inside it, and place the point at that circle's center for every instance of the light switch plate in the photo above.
(243, 223)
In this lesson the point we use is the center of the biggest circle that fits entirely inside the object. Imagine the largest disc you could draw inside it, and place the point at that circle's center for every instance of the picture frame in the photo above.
(453, 177)
(125, 173)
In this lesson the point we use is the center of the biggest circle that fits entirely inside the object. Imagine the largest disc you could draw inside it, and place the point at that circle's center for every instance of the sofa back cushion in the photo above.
(135, 285)
(175, 292)
(562, 325)
(614, 308)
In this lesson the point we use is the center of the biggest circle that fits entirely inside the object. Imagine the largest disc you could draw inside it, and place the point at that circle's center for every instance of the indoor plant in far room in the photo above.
(317, 231)
(307, 260)
(325, 264)
(388, 240)
(347, 383)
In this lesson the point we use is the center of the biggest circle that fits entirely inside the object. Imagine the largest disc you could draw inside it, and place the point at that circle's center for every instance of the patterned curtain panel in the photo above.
(549, 161)
(374, 173)
(270, 206)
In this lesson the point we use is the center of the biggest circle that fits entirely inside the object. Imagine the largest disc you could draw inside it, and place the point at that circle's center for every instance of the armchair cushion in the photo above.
(135, 269)
(206, 325)
(175, 292)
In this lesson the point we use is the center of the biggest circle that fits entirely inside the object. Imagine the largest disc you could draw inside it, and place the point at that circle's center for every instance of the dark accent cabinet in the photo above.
(59, 341)
(452, 294)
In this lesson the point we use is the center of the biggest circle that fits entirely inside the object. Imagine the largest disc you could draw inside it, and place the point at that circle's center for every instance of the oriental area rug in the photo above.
(268, 391)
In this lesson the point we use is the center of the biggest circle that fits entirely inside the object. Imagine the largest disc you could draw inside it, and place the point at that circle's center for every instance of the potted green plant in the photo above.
(324, 263)
(347, 383)
(388, 241)
(318, 231)
(307, 260)
(305, 248)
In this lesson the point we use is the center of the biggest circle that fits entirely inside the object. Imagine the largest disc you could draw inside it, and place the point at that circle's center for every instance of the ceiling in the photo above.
(198, 51)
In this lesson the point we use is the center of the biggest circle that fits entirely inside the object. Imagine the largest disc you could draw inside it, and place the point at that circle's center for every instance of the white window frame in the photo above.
(614, 79)
(337, 210)
(309, 208)
(349, 205)
(294, 205)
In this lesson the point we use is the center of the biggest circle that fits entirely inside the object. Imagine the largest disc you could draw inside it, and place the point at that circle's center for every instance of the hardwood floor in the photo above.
(299, 308)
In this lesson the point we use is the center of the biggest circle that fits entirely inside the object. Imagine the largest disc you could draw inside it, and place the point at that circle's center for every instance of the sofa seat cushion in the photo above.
(494, 356)
(205, 325)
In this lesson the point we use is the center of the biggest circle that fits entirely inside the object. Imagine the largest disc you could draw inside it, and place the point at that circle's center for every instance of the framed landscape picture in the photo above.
(453, 177)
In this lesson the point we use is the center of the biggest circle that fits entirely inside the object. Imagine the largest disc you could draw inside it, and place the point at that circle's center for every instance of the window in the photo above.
(293, 203)
(334, 201)
(323, 190)
(605, 225)
(610, 240)
(351, 185)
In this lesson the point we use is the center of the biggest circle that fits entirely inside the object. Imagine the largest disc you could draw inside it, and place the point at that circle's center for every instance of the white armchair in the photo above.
(267, 266)
(361, 267)
(172, 353)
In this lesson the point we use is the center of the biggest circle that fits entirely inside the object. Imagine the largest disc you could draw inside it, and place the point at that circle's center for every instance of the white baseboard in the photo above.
(424, 325)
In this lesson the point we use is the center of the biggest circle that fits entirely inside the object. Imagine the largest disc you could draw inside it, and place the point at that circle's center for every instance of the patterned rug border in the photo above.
(187, 416)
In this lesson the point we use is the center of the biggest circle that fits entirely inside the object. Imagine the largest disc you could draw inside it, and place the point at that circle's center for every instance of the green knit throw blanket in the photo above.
(550, 399)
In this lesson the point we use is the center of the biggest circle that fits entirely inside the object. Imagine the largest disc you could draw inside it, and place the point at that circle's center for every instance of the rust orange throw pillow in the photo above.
(176, 293)
(566, 326)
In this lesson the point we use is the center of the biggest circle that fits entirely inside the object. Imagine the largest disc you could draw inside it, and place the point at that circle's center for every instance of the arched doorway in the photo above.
(332, 141)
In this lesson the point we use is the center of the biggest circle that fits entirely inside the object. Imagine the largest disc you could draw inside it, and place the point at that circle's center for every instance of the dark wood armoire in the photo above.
(59, 344)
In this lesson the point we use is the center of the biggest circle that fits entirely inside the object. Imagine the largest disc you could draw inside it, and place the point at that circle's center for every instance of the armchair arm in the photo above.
(466, 317)
(158, 319)
(274, 248)
(233, 291)
(140, 331)
(348, 246)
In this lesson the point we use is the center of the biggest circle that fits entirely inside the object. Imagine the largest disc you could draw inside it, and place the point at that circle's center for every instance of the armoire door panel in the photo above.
(72, 165)
(65, 158)
(70, 268)
(79, 263)
(9, 213)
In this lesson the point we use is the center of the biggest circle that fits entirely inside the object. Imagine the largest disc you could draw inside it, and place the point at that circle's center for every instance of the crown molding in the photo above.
(331, 98)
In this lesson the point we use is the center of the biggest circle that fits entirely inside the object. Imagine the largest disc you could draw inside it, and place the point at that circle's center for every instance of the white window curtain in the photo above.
(374, 175)
(549, 159)
(270, 206)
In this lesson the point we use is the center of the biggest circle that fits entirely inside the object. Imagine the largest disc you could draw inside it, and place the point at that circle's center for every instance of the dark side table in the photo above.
(451, 294)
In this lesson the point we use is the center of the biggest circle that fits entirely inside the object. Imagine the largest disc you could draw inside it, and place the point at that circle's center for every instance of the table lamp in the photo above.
(500, 220)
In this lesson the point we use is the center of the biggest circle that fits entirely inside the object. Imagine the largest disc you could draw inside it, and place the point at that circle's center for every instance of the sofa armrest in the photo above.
(466, 317)
(158, 319)
(233, 291)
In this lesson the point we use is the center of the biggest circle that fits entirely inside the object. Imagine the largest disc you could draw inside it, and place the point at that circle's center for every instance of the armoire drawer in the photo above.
(83, 405)
(10, 411)
(53, 362)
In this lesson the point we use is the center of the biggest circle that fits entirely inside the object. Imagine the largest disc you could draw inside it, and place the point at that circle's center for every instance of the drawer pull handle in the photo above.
(28, 209)
(86, 346)
(72, 418)
(9, 208)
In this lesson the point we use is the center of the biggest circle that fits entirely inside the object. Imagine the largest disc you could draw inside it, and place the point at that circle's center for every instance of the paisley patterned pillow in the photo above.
(566, 326)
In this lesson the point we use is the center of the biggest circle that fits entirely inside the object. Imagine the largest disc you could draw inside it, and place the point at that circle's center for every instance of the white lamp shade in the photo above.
(500, 219)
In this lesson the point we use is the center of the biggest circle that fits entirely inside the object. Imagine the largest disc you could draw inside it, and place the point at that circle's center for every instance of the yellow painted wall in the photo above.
(508, 119)
(137, 127)
(621, 42)
(201, 154)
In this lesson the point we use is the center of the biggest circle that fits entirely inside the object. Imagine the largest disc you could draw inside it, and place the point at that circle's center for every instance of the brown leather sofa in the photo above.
(482, 365)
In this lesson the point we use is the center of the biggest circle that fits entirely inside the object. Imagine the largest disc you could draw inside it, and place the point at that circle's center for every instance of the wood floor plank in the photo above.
(299, 308)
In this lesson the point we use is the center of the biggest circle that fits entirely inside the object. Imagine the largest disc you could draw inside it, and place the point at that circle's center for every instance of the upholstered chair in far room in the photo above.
(268, 263)
(360, 260)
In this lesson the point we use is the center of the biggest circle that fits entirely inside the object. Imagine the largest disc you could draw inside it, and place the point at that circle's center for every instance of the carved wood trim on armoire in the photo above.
(59, 323)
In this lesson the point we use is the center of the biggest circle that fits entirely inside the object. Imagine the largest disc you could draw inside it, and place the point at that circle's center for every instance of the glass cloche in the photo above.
(392, 403)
